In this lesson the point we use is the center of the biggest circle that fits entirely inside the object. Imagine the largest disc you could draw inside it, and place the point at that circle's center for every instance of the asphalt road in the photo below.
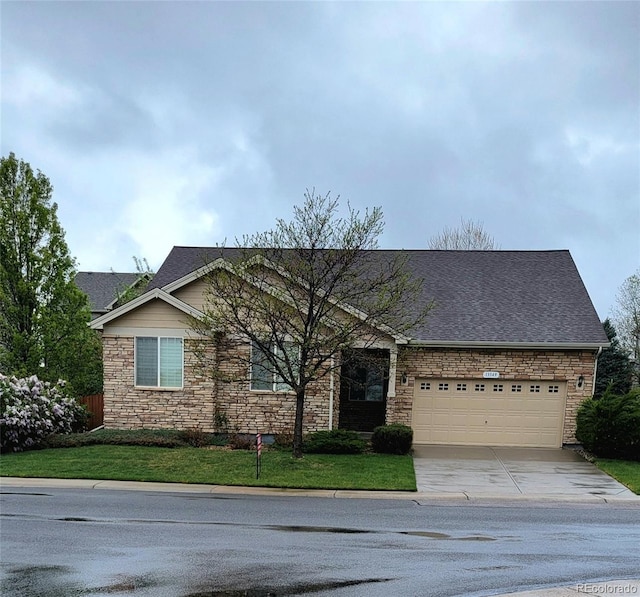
(61, 543)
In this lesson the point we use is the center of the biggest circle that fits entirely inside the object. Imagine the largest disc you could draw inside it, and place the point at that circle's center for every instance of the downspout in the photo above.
(595, 371)
(331, 386)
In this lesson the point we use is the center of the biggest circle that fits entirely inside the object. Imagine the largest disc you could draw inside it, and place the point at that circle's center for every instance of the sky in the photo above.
(195, 123)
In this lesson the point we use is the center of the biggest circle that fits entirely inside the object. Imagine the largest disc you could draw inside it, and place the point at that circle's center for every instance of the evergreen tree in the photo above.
(614, 366)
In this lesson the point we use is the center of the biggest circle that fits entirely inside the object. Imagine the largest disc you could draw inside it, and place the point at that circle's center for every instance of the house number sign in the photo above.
(491, 374)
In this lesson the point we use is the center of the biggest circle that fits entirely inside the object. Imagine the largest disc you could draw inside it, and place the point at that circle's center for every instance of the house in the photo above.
(504, 359)
(105, 288)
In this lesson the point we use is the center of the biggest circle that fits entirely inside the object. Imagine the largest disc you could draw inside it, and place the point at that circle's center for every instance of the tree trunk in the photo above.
(297, 429)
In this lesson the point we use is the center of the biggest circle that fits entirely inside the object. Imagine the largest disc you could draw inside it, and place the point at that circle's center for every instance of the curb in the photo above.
(421, 498)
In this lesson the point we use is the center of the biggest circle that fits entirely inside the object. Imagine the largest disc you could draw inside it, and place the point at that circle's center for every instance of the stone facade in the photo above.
(556, 365)
(225, 402)
(204, 403)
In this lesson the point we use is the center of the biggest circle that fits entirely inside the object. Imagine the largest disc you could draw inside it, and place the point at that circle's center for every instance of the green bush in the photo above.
(154, 438)
(336, 441)
(161, 438)
(392, 439)
(195, 437)
(282, 441)
(586, 423)
(241, 441)
(609, 427)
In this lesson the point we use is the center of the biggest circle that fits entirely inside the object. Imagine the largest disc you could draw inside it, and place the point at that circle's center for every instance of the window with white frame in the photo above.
(263, 374)
(159, 362)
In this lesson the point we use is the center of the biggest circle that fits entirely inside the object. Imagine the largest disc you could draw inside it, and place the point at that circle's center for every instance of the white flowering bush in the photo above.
(31, 409)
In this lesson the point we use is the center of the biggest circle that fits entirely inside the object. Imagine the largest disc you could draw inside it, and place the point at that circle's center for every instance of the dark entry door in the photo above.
(363, 390)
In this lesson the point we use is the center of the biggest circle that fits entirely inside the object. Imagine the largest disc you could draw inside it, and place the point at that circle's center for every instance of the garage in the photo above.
(489, 412)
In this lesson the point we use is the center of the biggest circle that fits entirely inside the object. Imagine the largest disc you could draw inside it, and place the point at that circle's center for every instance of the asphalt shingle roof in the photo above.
(480, 296)
(102, 288)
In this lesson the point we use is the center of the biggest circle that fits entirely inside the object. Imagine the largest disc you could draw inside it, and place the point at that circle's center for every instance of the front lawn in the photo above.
(214, 467)
(625, 471)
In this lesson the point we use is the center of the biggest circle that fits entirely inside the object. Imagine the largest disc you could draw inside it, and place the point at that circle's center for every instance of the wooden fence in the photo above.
(95, 406)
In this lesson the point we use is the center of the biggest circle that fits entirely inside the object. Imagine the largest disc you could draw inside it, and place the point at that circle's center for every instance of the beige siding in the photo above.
(154, 314)
(193, 294)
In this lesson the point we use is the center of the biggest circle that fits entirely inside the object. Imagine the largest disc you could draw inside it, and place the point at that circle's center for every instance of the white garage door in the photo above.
(488, 412)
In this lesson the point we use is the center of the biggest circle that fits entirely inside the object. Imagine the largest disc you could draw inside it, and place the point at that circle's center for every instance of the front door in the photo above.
(364, 381)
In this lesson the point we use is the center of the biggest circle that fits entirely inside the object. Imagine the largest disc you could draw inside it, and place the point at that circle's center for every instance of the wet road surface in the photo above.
(57, 543)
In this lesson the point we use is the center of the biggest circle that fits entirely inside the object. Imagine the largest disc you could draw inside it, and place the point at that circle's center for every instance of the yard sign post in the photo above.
(258, 454)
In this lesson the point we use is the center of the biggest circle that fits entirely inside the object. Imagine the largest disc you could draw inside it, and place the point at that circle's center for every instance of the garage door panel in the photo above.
(474, 412)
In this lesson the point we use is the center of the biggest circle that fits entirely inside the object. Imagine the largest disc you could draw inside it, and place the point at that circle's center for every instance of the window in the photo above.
(461, 387)
(479, 387)
(554, 389)
(534, 389)
(366, 383)
(159, 362)
(497, 387)
(516, 387)
(443, 387)
(425, 385)
(263, 377)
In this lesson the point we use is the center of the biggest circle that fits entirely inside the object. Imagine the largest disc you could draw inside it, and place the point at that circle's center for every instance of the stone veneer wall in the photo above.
(557, 365)
(196, 404)
(127, 407)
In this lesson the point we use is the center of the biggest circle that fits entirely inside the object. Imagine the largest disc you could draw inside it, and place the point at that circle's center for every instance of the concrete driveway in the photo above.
(511, 473)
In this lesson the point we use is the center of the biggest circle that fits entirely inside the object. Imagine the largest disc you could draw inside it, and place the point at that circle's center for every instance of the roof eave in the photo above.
(512, 345)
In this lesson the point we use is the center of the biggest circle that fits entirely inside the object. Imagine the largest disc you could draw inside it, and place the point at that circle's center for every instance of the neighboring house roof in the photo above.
(481, 297)
(103, 288)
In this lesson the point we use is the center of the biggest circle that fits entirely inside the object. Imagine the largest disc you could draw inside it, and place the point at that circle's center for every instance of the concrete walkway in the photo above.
(513, 473)
(612, 587)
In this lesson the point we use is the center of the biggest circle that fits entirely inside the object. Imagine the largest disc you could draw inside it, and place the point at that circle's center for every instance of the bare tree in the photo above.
(305, 293)
(469, 236)
(626, 315)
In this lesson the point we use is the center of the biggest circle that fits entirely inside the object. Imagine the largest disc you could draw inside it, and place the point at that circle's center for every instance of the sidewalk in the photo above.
(420, 497)
(611, 587)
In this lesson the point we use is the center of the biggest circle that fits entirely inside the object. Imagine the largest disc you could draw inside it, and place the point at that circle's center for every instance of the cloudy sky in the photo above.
(179, 123)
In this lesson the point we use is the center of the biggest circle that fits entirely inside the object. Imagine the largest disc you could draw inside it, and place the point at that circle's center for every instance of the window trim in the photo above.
(158, 386)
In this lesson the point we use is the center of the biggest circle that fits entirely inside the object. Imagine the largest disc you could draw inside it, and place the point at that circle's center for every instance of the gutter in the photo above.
(514, 345)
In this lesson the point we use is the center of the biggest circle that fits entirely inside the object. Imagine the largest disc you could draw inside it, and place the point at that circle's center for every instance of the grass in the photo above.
(214, 467)
(625, 471)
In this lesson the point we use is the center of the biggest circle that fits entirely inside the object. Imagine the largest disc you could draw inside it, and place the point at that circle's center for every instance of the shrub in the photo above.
(586, 423)
(241, 441)
(195, 437)
(155, 438)
(610, 426)
(31, 409)
(336, 441)
(283, 441)
(392, 439)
